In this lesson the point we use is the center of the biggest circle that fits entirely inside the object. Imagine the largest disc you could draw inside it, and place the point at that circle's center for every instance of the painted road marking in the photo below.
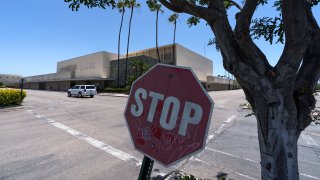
(228, 154)
(309, 176)
(309, 140)
(96, 143)
(230, 119)
(315, 134)
(221, 128)
(253, 161)
(243, 175)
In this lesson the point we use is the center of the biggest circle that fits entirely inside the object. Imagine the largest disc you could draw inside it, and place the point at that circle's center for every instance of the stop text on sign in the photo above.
(191, 112)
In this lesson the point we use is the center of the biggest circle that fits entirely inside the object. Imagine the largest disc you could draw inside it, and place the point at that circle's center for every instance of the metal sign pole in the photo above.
(146, 168)
(21, 86)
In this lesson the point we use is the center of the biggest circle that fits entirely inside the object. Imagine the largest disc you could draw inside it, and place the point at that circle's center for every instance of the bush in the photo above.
(1, 84)
(117, 90)
(10, 97)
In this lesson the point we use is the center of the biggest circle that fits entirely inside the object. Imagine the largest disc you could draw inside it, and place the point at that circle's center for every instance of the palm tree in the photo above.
(173, 19)
(131, 4)
(154, 6)
(121, 8)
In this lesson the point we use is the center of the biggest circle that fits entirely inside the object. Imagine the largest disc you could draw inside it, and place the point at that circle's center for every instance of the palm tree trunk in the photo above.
(158, 54)
(174, 43)
(127, 56)
(119, 39)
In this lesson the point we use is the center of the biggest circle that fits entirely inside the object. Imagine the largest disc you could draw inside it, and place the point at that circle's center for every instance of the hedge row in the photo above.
(9, 97)
(117, 90)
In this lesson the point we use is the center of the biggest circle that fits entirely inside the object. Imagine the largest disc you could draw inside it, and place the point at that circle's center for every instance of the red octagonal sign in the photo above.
(168, 114)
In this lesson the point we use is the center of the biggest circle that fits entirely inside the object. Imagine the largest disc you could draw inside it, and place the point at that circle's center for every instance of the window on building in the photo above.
(167, 56)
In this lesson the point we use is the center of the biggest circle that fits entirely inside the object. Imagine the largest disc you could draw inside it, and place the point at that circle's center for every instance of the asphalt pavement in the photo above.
(52, 136)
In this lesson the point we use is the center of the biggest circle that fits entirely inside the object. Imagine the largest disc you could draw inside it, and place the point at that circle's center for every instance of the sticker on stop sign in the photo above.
(168, 114)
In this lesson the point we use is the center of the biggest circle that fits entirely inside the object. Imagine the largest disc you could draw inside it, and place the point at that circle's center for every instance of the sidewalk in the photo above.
(113, 94)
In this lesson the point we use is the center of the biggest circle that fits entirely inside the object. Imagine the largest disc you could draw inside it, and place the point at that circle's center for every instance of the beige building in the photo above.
(180, 56)
(9, 79)
(100, 68)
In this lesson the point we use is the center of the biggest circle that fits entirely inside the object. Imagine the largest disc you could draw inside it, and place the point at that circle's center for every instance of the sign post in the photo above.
(21, 87)
(168, 115)
(146, 168)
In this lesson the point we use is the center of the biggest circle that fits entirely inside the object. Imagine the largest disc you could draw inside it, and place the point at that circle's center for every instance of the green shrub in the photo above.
(10, 97)
(117, 90)
(1, 84)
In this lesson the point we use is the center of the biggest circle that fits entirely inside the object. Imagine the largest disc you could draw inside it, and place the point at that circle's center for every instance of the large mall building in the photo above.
(101, 69)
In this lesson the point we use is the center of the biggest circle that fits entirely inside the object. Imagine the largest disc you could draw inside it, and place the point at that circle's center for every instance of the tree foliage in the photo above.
(75, 4)
(138, 68)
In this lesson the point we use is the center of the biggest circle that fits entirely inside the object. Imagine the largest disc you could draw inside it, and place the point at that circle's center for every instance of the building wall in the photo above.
(114, 68)
(180, 56)
(8, 79)
(96, 65)
(44, 77)
(31, 85)
(58, 86)
(218, 83)
(200, 65)
(212, 79)
(165, 52)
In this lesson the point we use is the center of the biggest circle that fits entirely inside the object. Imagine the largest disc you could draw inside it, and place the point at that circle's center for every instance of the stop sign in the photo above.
(168, 114)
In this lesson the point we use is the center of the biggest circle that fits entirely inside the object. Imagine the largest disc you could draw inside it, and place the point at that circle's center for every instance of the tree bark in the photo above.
(281, 96)
(278, 137)
(119, 40)
(128, 43)
(157, 24)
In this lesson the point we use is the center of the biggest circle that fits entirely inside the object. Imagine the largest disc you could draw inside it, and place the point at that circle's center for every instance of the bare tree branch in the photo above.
(235, 4)
(309, 72)
(307, 78)
(216, 17)
(299, 34)
(243, 37)
(189, 8)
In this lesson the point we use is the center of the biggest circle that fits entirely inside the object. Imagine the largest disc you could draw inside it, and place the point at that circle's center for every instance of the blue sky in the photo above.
(36, 34)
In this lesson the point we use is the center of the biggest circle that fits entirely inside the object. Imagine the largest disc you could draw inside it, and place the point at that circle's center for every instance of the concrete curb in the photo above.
(113, 94)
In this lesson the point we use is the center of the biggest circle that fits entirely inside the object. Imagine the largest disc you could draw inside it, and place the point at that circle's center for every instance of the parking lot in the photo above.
(53, 136)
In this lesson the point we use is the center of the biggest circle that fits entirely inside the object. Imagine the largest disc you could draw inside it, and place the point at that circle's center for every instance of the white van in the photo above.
(82, 90)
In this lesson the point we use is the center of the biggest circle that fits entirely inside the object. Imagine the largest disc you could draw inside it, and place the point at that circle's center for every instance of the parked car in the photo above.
(82, 90)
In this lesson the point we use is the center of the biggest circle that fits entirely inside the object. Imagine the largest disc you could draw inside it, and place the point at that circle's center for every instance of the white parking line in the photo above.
(309, 176)
(228, 154)
(309, 140)
(230, 119)
(243, 175)
(96, 143)
(315, 134)
(253, 161)
(221, 128)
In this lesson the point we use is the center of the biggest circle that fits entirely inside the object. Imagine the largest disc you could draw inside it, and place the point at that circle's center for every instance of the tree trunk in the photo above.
(281, 95)
(127, 55)
(277, 135)
(157, 47)
(119, 39)
(174, 42)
